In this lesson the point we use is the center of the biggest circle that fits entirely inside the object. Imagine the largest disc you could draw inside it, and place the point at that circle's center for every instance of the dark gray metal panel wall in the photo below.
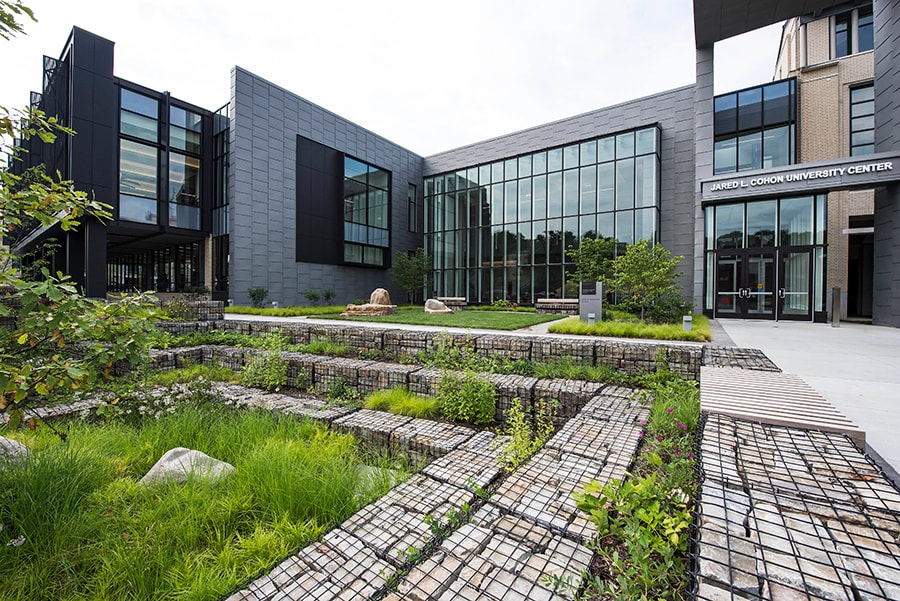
(673, 110)
(266, 120)
(703, 157)
(886, 306)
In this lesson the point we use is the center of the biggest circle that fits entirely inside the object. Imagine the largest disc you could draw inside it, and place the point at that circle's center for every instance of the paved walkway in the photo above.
(855, 367)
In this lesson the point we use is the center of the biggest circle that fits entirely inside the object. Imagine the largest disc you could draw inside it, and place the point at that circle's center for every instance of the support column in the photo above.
(703, 153)
(886, 302)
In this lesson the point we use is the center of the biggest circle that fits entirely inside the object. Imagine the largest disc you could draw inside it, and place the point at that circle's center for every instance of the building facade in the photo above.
(775, 195)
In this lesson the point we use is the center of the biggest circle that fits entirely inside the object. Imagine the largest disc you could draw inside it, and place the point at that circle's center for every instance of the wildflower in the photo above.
(682, 426)
(670, 410)
(659, 438)
(690, 456)
(678, 452)
(641, 433)
(642, 421)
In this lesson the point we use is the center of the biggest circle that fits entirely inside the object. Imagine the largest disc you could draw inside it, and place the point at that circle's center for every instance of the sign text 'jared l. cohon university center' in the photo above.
(855, 172)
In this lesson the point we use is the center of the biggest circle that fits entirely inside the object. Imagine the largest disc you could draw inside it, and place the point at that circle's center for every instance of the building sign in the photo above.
(825, 176)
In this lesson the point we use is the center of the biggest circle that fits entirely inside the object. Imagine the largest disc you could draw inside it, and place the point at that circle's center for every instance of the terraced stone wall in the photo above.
(629, 356)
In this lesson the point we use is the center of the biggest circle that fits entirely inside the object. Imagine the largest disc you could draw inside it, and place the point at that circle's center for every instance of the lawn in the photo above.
(92, 531)
(484, 320)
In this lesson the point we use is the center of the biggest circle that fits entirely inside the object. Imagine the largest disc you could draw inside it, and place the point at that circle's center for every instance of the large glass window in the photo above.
(754, 128)
(184, 191)
(138, 182)
(854, 31)
(862, 119)
(366, 219)
(139, 116)
(185, 130)
(526, 211)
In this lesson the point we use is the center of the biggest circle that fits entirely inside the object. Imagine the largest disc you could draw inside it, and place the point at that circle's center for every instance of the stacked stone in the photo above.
(630, 356)
(790, 513)
(510, 387)
(302, 406)
(570, 395)
(730, 356)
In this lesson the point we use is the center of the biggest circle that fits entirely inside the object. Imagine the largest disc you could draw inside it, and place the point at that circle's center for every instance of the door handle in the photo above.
(781, 293)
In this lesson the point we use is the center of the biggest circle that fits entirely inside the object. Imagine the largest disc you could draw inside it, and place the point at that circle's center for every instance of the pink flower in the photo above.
(642, 421)
(682, 426)
(690, 456)
(678, 452)
(641, 433)
(659, 438)
(670, 410)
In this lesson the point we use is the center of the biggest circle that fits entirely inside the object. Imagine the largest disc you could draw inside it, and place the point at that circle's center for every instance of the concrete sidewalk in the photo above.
(856, 367)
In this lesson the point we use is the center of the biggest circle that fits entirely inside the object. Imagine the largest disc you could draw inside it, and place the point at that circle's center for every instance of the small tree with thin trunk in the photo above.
(644, 273)
(411, 271)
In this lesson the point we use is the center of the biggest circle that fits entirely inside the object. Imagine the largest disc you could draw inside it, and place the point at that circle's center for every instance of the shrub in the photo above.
(670, 307)
(267, 371)
(400, 401)
(328, 296)
(313, 296)
(467, 398)
(258, 296)
(524, 441)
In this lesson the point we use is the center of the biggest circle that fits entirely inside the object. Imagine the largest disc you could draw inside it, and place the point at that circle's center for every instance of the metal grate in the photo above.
(792, 513)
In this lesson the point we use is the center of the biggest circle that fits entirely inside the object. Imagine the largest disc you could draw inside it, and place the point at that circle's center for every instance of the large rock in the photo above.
(12, 451)
(178, 464)
(380, 296)
(369, 309)
(433, 305)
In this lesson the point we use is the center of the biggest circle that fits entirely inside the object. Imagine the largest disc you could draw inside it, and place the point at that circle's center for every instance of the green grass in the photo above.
(400, 401)
(636, 329)
(295, 311)
(216, 373)
(566, 367)
(272, 341)
(93, 532)
(485, 320)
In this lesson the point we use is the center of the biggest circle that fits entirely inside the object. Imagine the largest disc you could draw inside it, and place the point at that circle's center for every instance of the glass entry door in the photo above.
(745, 284)
(795, 284)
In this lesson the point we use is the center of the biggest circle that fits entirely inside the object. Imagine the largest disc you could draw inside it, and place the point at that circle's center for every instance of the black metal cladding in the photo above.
(320, 176)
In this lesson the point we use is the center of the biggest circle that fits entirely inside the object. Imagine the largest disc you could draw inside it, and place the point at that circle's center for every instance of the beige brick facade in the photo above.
(823, 126)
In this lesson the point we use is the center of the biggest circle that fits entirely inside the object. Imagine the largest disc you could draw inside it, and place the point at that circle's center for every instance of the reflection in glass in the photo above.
(645, 181)
(570, 157)
(645, 141)
(730, 226)
(540, 196)
(606, 149)
(184, 180)
(645, 225)
(625, 227)
(570, 192)
(761, 223)
(625, 145)
(554, 194)
(140, 210)
(750, 151)
(750, 109)
(625, 184)
(776, 147)
(588, 153)
(725, 156)
(796, 221)
(588, 189)
(554, 159)
(138, 169)
(606, 187)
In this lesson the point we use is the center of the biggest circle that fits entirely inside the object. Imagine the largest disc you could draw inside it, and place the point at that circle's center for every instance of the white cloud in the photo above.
(428, 75)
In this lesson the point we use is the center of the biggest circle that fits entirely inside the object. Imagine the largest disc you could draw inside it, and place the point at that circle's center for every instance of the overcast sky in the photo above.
(428, 75)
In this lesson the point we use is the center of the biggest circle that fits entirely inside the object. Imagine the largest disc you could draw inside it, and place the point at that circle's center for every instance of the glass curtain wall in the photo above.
(789, 230)
(501, 230)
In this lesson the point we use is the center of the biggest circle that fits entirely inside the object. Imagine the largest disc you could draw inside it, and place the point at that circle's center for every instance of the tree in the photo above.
(644, 273)
(54, 340)
(593, 260)
(411, 271)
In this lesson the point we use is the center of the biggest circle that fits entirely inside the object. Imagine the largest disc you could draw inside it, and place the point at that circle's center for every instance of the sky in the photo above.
(428, 75)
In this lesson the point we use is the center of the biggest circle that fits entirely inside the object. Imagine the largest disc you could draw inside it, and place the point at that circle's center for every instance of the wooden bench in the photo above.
(457, 303)
(563, 306)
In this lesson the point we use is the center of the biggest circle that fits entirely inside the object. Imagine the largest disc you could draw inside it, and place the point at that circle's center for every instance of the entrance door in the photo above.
(795, 284)
(745, 284)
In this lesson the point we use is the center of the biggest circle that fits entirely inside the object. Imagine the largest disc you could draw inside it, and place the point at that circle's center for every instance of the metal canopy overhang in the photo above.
(868, 171)
(716, 21)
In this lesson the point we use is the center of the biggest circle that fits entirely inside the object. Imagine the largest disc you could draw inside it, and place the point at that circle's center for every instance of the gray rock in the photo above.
(435, 306)
(12, 451)
(177, 464)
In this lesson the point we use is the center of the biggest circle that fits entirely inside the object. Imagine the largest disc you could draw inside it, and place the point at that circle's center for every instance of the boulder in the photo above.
(433, 305)
(369, 309)
(12, 451)
(379, 296)
(177, 464)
